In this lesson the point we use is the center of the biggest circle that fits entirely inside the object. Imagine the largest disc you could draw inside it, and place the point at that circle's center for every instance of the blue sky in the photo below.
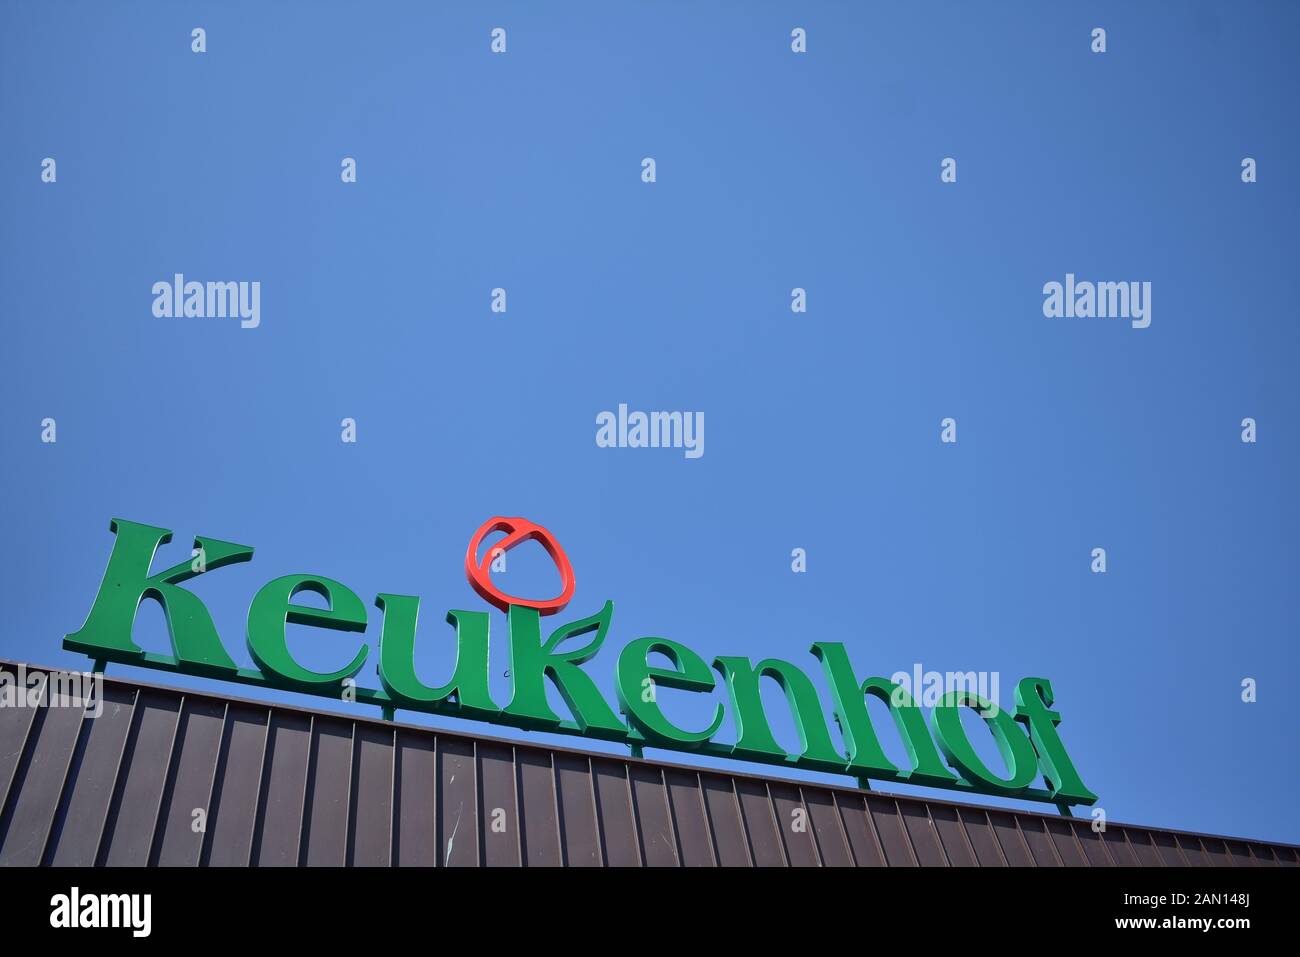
(774, 171)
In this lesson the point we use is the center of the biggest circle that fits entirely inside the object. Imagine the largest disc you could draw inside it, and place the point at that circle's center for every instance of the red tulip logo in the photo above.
(518, 530)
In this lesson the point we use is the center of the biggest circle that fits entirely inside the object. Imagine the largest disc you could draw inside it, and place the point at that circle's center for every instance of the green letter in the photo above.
(637, 681)
(272, 608)
(1014, 747)
(127, 583)
(865, 754)
(1033, 698)
(753, 734)
(469, 682)
(532, 662)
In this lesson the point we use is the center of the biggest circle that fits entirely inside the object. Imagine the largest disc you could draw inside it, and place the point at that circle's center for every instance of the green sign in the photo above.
(939, 753)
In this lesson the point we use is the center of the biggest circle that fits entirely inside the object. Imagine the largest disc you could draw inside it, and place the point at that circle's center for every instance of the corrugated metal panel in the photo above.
(173, 777)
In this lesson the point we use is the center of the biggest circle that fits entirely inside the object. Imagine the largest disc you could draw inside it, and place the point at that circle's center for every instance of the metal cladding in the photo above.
(278, 785)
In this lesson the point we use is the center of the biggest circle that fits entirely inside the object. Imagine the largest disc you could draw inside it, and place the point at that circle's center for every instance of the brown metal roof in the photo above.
(285, 785)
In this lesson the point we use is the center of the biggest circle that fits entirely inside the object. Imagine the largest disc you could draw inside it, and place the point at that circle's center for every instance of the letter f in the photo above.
(1034, 699)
